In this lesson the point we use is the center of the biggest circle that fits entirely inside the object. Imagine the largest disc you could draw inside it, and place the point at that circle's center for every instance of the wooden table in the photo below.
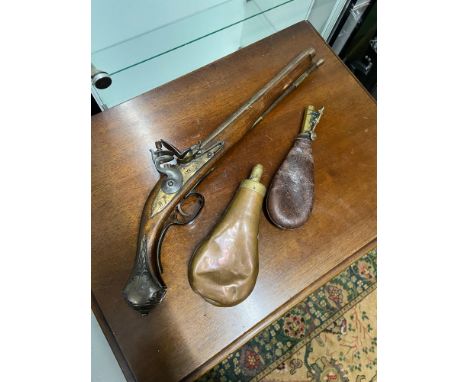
(185, 335)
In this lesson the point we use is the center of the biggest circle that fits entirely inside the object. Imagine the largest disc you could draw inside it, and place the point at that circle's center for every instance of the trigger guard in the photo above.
(201, 203)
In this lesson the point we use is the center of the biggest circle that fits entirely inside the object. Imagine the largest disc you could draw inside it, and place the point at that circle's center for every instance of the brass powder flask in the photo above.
(224, 268)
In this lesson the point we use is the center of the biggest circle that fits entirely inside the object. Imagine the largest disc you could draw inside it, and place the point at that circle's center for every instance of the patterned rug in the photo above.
(330, 336)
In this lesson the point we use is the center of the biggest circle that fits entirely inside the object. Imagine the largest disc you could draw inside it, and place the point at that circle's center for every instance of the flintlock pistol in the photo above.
(174, 199)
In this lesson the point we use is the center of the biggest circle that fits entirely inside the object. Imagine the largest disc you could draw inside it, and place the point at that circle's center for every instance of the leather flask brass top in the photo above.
(291, 193)
(224, 268)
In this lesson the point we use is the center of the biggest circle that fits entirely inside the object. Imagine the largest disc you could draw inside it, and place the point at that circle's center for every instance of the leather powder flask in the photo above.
(291, 193)
(224, 267)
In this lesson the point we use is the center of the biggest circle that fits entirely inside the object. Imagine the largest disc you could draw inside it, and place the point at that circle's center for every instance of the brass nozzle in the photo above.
(256, 173)
(253, 182)
(311, 120)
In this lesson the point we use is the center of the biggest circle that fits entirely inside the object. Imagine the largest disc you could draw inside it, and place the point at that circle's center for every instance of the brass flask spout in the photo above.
(224, 268)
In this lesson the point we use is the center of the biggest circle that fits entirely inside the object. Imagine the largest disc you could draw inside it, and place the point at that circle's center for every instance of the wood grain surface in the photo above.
(185, 332)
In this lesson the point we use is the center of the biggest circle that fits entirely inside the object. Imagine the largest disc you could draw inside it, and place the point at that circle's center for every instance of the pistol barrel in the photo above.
(268, 97)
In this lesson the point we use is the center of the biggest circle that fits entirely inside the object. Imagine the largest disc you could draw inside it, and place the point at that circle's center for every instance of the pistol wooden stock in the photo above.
(175, 192)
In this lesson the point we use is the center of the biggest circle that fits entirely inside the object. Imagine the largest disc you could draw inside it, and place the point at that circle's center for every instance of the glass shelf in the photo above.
(143, 59)
(164, 39)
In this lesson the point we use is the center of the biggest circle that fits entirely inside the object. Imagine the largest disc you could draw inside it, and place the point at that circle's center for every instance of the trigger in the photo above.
(192, 215)
(181, 211)
(188, 217)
